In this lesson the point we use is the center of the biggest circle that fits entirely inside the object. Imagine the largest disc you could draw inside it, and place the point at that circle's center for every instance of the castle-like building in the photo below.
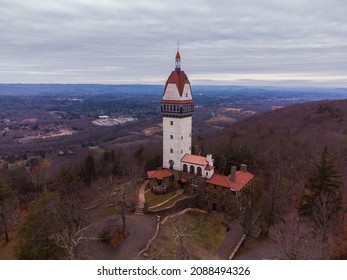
(181, 169)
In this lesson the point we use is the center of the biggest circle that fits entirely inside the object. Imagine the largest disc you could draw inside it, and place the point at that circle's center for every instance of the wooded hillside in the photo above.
(283, 147)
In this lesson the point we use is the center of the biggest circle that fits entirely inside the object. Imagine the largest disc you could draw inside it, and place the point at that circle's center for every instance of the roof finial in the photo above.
(178, 58)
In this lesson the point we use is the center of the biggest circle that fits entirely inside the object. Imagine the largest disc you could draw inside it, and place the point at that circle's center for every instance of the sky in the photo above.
(228, 42)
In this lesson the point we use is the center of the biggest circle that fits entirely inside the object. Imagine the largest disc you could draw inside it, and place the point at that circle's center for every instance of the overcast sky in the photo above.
(240, 42)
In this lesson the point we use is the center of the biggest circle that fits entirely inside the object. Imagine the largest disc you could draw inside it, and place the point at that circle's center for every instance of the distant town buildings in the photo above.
(107, 121)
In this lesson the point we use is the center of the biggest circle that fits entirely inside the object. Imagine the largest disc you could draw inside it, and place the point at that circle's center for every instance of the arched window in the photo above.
(185, 168)
(192, 169)
(199, 171)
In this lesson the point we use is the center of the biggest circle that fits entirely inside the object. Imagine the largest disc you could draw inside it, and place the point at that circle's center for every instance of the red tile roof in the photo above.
(183, 180)
(199, 160)
(179, 78)
(178, 55)
(159, 174)
(242, 179)
(209, 168)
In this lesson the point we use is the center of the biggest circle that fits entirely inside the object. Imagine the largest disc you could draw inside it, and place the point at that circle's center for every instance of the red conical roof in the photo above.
(178, 55)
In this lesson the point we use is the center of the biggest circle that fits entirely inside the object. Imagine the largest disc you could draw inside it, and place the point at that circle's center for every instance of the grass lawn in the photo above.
(212, 235)
(154, 199)
(201, 233)
(104, 213)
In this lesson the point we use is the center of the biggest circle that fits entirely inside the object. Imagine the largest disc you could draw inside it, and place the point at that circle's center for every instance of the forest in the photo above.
(49, 203)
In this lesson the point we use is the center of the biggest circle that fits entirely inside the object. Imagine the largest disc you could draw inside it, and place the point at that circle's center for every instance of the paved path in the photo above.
(232, 237)
(258, 250)
(141, 203)
(140, 230)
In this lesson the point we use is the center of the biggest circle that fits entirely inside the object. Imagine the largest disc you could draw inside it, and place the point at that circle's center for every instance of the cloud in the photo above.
(134, 41)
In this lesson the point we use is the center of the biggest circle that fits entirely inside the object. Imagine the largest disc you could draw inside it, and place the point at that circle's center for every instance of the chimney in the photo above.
(233, 174)
(209, 159)
(243, 167)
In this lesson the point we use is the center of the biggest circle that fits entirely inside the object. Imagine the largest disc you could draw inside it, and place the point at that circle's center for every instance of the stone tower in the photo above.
(177, 109)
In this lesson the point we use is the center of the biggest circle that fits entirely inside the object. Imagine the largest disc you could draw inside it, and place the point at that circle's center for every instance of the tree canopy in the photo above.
(322, 200)
(35, 237)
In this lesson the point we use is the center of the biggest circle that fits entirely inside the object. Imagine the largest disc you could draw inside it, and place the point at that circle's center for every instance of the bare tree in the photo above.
(292, 237)
(123, 200)
(174, 239)
(73, 215)
(183, 232)
(249, 208)
(7, 199)
(73, 228)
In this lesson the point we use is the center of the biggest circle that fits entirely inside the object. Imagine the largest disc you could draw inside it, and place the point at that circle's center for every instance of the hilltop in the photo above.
(287, 141)
(282, 148)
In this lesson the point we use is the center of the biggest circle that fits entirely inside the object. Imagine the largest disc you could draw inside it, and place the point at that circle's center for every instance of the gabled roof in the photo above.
(158, 174)
(209, 167)
(242, 179)
(199, 160)
(179, 78)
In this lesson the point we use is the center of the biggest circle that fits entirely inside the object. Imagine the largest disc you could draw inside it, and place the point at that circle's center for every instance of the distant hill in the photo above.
(298, 94)
(76, 89)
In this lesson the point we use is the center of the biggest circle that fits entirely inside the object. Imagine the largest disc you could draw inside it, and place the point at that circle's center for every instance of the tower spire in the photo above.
(178, 59)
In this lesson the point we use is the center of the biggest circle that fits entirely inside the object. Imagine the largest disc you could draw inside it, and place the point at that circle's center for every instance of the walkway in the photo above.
(141, 203)
(140, 230)
(232, 237)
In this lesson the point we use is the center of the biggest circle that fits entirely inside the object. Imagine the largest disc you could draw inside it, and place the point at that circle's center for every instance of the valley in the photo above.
(98, 141)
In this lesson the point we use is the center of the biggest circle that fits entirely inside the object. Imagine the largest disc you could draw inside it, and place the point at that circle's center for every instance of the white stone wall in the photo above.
(204, 173)
(181, 144)
(172, 93)
(208, 174)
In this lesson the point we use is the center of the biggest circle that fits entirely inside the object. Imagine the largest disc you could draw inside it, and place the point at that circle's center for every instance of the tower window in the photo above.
(186, 94)
(171, 136)
(181, 151)
(171, 122)
(181, 137)
(171, 151)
